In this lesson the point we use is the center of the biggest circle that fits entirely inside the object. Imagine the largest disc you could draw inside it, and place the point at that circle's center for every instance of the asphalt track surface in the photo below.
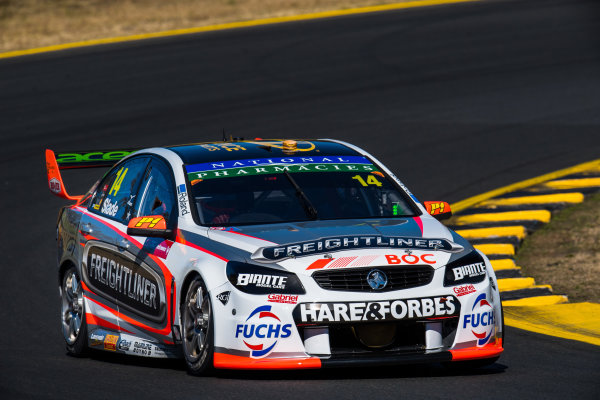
(457, 100)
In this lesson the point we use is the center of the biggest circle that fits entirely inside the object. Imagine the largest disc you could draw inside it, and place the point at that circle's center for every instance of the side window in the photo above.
(116, 193)
(157, 193)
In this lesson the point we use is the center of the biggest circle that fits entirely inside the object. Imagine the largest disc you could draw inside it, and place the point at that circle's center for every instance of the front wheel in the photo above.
(197, 322)
(74, 327)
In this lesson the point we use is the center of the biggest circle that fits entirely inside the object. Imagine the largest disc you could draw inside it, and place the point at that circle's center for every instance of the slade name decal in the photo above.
(118, 277)
(388, 310)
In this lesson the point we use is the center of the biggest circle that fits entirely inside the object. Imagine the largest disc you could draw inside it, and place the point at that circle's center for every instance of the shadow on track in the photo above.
(350, 373)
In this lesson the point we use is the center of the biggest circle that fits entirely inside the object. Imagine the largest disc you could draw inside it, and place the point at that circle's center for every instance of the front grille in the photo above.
(409, 337)
(355, 279)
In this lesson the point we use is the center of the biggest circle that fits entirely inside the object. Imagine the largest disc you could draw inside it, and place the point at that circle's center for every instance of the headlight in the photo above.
(467, 269)
(255, 279)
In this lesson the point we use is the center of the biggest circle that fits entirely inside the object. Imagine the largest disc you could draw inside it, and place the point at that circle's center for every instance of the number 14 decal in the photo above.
(371, 180)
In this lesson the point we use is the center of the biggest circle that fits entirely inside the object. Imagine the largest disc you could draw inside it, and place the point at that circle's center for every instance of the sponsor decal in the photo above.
(436, 207)
(54, 185)
(109, 207)
(388, 310)
(65, 158)
(282, 298)
(158, 246)
(278, 165)
(96, 338)
(137, 287)
(256, 279)
(153, 222)
(163, 248)
(135, 346)
(124, 345)
(110, 342)
(470, 271)
(182, 197)
(365, 261)
(142, 348)
(480, 320)
(222, 146)
(330, 244)
(467, 269)
(463, 290)
(261, 331)
(262, 280)
(410, 259)
(224, 297)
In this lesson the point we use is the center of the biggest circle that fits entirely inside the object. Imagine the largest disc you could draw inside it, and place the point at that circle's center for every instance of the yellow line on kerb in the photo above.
(498, 232)
(471, 201)
(529, 215)
(536, 301)
(535, 200)
(573, 183)
(576, 321)
(234, 25)
(515, 283)
(501, 249)
(503, 264)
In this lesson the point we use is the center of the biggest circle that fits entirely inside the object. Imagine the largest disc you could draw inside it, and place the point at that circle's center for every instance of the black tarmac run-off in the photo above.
(457, 100)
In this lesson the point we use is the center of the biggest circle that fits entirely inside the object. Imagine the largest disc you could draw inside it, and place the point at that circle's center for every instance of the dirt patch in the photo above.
(28, 24)
(566, 252)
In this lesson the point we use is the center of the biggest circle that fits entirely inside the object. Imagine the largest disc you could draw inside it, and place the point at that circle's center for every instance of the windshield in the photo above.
(293, 189)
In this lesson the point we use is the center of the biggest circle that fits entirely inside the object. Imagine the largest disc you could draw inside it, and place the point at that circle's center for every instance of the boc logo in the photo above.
(481, 320)
(261, 331)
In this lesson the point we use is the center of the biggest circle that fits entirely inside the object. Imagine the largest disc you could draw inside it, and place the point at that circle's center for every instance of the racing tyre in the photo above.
(197, 322)
(74, 327)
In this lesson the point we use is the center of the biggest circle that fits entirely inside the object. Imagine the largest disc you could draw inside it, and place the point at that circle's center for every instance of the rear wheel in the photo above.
(197, 321)
(74, 326)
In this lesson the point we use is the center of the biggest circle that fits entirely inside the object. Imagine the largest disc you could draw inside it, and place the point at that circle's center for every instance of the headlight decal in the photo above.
(468, 269)
(255, 279)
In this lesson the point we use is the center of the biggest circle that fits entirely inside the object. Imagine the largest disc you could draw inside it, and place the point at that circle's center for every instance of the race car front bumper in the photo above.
(229, 361)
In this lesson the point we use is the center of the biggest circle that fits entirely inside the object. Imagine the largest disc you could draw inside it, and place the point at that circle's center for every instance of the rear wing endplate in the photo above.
(80, 159)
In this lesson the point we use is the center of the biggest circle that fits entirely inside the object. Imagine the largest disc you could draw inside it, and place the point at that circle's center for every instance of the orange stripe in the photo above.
(180, 239)
(131, 320)
(473, 353)
(91, 319)
(253, 237)
(320, 263)
(85, 288)
(229, 361)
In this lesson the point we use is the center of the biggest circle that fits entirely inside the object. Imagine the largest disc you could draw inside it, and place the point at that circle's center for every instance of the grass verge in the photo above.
(565, 253)
(26, 24)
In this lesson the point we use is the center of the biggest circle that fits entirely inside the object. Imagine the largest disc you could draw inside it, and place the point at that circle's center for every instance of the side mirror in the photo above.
(151, 225)
(440, 210)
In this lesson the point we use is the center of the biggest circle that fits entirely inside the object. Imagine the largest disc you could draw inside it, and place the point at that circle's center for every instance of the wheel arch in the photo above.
(187, 281)
(66, 264)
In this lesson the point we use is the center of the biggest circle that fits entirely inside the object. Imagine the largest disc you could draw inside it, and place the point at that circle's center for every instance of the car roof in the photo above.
(264, 148)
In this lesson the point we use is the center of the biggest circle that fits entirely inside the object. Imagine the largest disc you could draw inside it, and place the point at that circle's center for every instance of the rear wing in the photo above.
(79, 159)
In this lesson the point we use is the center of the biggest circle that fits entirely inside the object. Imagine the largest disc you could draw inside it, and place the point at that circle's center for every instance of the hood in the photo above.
(266, 244)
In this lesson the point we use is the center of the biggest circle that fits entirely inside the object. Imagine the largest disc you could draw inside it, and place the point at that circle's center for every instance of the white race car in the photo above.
(267, 254)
